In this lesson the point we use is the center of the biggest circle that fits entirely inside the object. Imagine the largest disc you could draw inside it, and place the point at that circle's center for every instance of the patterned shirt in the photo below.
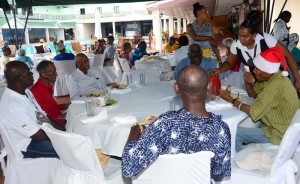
(205, 64)
(275, 105)
(180, 132)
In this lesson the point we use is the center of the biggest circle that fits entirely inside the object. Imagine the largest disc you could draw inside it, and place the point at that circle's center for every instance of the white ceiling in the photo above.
(184, 8)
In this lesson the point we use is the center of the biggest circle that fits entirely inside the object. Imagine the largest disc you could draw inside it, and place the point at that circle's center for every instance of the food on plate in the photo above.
(150, 119)
(96, 94)
(152, 58)
(120, 86)
(111, 101)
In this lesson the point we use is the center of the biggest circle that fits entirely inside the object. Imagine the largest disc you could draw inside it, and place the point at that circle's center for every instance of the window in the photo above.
(116, 9)
(82, 11)
(100, 10)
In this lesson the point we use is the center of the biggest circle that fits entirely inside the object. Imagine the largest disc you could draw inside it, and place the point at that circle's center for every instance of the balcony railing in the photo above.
(56, 17)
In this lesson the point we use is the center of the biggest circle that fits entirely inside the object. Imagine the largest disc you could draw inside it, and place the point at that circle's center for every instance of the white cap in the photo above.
(256, 160)
(60, 46)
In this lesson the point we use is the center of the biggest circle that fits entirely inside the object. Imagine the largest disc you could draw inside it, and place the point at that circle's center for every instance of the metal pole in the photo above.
(271, 15)
(16, 29)
(23, 35)
(10, 30)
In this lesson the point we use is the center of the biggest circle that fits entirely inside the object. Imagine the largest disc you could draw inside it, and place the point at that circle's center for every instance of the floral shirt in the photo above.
(180, 132)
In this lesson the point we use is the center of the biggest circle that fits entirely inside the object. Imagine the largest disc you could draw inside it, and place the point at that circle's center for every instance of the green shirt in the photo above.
(275, 105)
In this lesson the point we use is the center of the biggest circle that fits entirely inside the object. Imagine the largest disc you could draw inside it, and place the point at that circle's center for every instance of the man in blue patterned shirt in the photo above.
(188, 130)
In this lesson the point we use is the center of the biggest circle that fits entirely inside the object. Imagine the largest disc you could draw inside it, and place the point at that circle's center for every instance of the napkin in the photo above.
(124, 119)
(78, 102)
(120, 91)
(216, 105)
(91, 119)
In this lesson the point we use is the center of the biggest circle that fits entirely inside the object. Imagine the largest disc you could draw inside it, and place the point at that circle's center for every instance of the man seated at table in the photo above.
(195, 58)
(84, 80)
(62, 53)
(109, 52)
(139, 52)
(21, 115)
(6, 53)
(188, 130)
(276, 100)
(43, 92)
(182, 52)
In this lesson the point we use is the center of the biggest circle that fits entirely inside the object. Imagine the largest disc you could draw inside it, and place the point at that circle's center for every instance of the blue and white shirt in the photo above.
(180, 132)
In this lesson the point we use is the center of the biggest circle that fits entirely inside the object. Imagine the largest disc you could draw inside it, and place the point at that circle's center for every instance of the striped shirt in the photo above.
(275, 105)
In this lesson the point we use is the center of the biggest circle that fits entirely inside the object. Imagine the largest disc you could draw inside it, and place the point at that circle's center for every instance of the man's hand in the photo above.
(212, 41)
(225, 95)
(248, 77)
(135, 132)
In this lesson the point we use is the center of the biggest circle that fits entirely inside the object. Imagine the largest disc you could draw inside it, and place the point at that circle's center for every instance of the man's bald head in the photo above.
(14, 69)
(82, 62)
(192, 80)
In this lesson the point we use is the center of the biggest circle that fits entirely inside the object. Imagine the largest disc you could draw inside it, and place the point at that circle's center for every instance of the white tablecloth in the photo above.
(162, 65)
(141, 102)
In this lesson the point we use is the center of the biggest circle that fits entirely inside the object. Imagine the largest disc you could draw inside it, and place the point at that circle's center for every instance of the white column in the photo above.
(114, 28)
(27, 36)
(47, 34)
(157, 29)
(184, 25)
(165, 27)
(178, 25)
(1, 35)
(171, 25)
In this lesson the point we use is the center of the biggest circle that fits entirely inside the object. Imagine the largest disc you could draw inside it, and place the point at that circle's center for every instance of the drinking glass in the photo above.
(90, 108)
(212, 93)
(129, 79)
(142, 79)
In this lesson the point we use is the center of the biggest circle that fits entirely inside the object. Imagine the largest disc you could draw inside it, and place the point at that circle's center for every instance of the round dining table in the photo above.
(140, 102)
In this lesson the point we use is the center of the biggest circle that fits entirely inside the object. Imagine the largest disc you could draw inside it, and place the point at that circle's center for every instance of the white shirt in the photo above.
(180, 54)
(18, 114)
(280, 31)
(80, 84)
(109, 52)
(270, 41)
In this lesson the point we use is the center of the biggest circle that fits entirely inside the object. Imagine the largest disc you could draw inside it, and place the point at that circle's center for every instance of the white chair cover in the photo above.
(63, 68)
(98, 64)
(80, 163)
(98, 61)
(151, 75)
(178, 169)
(123, 71)
(26, 171)
(112, 72)
(283, 168)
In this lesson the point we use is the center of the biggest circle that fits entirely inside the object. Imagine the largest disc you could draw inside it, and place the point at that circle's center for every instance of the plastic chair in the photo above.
(25, 171)
(63, 68)
(79, 162)
(177, 169)
(283, 168)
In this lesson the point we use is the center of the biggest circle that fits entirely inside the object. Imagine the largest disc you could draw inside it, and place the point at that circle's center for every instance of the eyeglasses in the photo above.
(206, 12)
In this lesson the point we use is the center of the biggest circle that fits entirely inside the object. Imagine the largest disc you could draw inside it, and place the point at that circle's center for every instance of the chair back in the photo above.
(65, 66)
(12, 153)
(124, 64)
(151, 75)
(98, 61)
(75, 151)
(177, 169)
(289, 143)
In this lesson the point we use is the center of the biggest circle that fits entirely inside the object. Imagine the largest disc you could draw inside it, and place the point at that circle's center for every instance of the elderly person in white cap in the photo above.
(62, 53)
(22, 57)
(276, 100)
